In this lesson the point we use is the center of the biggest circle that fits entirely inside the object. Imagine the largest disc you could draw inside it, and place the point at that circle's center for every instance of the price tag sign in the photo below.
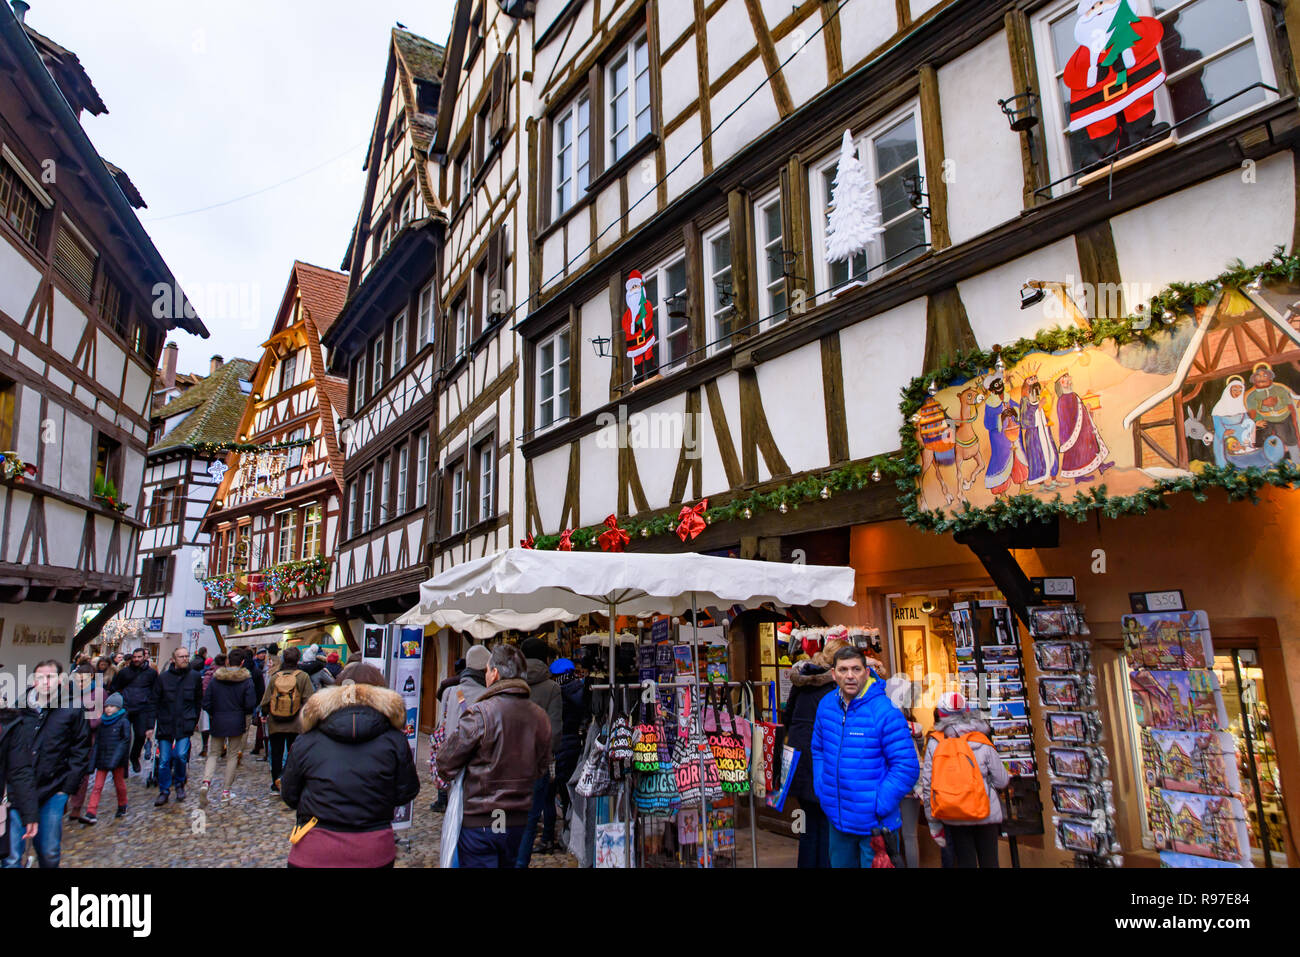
(1146, 601)
(1053, 589)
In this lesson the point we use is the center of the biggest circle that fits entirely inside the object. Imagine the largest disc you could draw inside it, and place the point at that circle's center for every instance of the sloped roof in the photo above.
(128, 188)
(68, 73)
(323, 292)
(422, 57)
(218, 403)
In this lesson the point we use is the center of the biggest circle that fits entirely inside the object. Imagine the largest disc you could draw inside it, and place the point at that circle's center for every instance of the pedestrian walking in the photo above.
(90, 695)
(228, 701)
(57, 736)
(544, 692)
(256, 665)
(207, 669)
(135, 683)
(811, 680)
(503, 744)
(960, 780)
(112, 747)
(454, 699)
(106, 671)
(17, 782)
(199, 660)
(283, 702)
(178, 699)
(575, 696)
(348, 772)
(864, 764)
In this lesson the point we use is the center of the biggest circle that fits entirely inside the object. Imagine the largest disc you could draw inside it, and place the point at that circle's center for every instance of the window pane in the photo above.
(1200, 29)
(893, 192)
(1063, 42)
(1214, 81)
(896, 146)
(901, 237)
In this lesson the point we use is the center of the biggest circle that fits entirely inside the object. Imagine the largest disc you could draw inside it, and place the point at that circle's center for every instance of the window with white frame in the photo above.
(461, 316)
(719, 295)
(890, 153)
(553, 379)
(627, 96)
(426, 315)
(487, 455)
(770, 243)
(367, 500)
(352, 509)
(1211, 51)
(399, 343)
(295, 453)
(571, 136)
(359, 393)
(288, 370)
(377, 366)
(463, 166)
(421, 470)
(459, 500)
(662, 283)
(402, 456)
(311, 531)
(288, 528)
(385, 484)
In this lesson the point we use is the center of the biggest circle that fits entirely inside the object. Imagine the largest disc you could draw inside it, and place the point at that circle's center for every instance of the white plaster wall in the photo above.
(598, 492)
(714, 476)
(984, 155)
(755, 117)
(879, 356)
(608, 211)
(657, 466)
(805, 74)
(1196, 233)
(791, 387)
(870, 25)
(550, 472)
(675, 17)
(18, 282)
(63, 527)
(992, 298)
(730, 36)
(37, 614)
(681, 86)
(677, 149)
(595, 321)
(69, 324)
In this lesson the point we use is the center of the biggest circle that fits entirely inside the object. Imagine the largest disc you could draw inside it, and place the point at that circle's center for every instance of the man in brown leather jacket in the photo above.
(503, 744)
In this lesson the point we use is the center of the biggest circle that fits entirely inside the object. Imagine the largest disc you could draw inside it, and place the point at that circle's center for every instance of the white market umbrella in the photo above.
(638, 583)
(485, 625)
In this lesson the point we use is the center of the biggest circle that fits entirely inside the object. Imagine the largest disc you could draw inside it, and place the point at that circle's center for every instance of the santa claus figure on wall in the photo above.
(639, 327)
(1113, 76)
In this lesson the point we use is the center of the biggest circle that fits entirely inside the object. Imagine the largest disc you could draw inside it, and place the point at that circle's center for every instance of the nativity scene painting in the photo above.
(1219, 389)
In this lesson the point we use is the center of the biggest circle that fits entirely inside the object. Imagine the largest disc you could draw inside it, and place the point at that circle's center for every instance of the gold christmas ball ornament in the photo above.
(645, 531)
(825, 492)
(746, 513)
(932, 388)
(783, 508)
(1167, 318)
(875, 474)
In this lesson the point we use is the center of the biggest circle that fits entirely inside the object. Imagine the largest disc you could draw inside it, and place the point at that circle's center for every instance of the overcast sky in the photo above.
(209, 101)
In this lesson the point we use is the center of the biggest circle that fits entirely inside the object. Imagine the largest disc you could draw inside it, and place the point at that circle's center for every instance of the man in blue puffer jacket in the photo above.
(864, 762)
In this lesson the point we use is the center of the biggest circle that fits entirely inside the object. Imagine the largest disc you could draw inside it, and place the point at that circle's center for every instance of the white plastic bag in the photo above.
(451, 820)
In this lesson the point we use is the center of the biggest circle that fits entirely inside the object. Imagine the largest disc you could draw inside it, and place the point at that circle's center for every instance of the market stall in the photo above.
(635, 584)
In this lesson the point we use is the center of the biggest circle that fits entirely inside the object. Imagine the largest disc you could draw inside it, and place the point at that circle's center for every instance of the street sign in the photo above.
(154, 624)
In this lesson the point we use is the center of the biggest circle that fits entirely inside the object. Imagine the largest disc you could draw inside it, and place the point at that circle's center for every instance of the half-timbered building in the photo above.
(690, 152)
(384, 343)
(483, 187)
(274, 520)
(179, 484)
(81, 329)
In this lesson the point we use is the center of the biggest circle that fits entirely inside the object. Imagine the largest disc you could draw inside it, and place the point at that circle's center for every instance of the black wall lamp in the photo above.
(600, 344)
(913, 185)
(1020, 110)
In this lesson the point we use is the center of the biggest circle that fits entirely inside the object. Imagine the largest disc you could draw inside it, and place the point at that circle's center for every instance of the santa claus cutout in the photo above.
(1113, 76)
(638, 327)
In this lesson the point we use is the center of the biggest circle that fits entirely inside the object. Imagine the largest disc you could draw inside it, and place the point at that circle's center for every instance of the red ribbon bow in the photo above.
(565, 545)
(526, 542)
(691, 520)
(614, 539)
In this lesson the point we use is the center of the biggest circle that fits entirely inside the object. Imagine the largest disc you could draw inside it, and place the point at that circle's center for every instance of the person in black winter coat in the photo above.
(178, 697)
(17, 779)
(812, 680)
(58, 742)
(229, 700)
(135, 682)
(575, 695)
(350, 769)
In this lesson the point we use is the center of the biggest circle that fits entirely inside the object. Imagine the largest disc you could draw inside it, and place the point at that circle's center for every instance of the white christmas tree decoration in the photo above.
(854, 217)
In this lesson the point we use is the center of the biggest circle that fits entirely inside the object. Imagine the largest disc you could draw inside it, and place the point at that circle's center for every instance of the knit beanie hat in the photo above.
(478, 658)
(114, 701)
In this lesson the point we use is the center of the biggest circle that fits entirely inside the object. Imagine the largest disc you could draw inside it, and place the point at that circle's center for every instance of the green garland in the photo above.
(1156, 316)
(214, 448)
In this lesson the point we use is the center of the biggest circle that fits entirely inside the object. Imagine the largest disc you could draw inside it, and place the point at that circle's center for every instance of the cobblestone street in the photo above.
(251, 831)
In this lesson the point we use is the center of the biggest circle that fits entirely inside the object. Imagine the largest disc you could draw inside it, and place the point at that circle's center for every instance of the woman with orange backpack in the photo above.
(960, 779)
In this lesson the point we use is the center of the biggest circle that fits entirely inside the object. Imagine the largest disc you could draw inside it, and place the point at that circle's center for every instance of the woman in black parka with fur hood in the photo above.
(812, 680)
(349, 770)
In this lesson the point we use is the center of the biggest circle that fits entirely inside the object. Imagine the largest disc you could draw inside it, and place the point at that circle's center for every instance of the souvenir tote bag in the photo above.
(694, 766)
(646, 736)
(729, 751)
(656, 786)
(594, 777)
(620, 739)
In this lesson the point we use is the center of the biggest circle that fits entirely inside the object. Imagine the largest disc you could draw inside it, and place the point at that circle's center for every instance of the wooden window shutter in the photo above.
(75, 262)
(444, 501)
(170, 564)
(500, 106)
(493, 277)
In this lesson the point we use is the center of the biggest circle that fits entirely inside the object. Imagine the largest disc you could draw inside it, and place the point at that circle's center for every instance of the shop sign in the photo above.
(1076, 420)
(39, 635)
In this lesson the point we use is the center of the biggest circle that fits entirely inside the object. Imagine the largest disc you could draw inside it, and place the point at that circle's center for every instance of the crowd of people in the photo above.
(510, 727)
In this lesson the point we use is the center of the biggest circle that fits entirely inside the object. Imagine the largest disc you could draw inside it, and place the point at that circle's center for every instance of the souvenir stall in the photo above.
(640, 767)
